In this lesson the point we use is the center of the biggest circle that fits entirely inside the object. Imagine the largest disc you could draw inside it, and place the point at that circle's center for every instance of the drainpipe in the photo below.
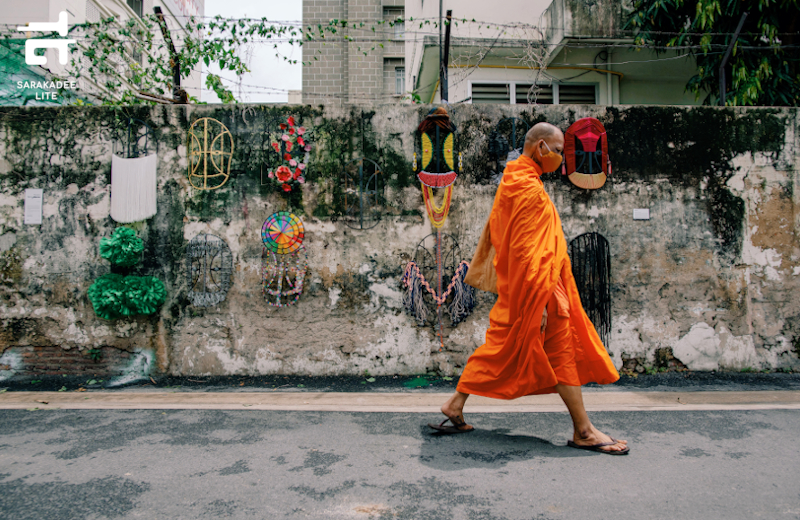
(609, 81)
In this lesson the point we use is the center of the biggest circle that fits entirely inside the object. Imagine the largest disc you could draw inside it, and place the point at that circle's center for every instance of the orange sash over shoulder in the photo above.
(530, 254)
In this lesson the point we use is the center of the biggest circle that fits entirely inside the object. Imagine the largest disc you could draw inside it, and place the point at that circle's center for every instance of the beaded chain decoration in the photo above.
(437, 214)
(284, 262)
(437, 261)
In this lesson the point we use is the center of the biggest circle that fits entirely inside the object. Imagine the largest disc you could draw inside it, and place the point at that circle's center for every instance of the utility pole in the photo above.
(446, 59)
(440, 42)
(722, 83)
(177, 93)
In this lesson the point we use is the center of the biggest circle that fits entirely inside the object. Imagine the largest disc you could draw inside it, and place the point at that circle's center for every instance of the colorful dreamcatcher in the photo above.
(284, 262)
(437, 167)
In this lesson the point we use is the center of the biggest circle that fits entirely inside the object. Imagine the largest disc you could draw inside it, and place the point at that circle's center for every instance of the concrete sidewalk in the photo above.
(396, 402)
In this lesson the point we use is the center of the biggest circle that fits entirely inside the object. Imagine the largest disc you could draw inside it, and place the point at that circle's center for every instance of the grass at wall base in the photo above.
(114, 295)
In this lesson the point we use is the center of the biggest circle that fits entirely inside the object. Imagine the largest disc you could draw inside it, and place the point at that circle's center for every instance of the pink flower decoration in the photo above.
(301, 130)
(271, 174)
(302, 166)
(307, 148)
(285, 137)
(301, 180)
(292, 163)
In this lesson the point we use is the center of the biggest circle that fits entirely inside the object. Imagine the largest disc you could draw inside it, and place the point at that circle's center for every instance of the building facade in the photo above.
(357, 64)
(542, 52)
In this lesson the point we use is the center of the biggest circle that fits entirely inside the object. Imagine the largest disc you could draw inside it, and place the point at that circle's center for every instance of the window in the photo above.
(400, 81)
(542, 95)
(521, 94)
(491, 93)
(136, 6)
(391, 14)
(576, 95)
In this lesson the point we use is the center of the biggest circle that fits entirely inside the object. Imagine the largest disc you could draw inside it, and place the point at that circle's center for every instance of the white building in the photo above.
(542, 51)
(15, 13)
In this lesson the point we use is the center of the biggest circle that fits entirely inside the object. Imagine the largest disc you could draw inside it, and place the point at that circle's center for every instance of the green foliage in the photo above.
(114, 296)
(128, 58)
(122, 248)
(764, 65)
(95, 354)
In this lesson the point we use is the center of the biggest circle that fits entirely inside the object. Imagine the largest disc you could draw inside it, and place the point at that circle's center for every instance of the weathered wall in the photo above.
(710, 275)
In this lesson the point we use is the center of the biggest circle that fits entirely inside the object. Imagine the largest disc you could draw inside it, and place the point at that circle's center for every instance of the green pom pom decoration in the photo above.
(114, 296)
(122, 248)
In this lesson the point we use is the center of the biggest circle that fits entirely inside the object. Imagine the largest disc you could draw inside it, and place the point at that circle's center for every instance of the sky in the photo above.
(267, 70)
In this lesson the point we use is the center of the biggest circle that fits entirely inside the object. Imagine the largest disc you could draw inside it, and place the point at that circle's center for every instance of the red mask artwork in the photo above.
(586, 161)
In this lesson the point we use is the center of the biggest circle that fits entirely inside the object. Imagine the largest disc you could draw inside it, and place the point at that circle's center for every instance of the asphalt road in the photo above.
(198, 464)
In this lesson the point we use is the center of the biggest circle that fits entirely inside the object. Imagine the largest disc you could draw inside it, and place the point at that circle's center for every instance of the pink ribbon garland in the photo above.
(412, 266)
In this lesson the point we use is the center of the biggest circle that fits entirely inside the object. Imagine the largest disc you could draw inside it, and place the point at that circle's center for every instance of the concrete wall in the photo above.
(710, 276)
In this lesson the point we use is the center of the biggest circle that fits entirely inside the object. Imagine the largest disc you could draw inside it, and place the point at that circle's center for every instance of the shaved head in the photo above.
(542, 138)
(540, 131)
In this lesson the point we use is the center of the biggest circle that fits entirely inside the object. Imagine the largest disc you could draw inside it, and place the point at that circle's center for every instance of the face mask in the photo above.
(550, 161)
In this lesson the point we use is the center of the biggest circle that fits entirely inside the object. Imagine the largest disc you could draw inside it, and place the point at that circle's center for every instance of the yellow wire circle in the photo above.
(210, 149)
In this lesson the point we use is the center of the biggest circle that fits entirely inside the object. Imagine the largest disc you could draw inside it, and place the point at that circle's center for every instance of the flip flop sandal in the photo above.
(441, 428)
(599, 447)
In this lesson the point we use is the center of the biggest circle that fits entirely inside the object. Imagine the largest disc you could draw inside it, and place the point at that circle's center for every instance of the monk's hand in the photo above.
(544, 320)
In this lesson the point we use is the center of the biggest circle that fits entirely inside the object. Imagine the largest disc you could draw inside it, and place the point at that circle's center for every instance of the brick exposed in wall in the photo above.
(55, 360)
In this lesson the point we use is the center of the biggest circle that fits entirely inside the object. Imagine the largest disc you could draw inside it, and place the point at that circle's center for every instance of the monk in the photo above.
(540, 339)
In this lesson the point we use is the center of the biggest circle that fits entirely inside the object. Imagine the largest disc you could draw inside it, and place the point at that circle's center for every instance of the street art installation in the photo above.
(292, 147)
(505, 143)
(590, 257)
(209, 264)
(437, 166)
(586, 161)
(210, 150)
(362, 187)
(284, 262)
(133, 174)
(437, 256)
(115, 295)
(437, 170)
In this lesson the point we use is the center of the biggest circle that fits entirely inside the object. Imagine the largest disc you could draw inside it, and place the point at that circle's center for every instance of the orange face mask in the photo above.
(550, 161)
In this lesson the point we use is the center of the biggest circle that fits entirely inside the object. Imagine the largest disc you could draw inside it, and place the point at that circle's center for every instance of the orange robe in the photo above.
(531, 255)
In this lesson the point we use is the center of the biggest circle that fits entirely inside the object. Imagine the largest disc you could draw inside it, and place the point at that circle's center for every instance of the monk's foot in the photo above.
(455, 414)
(592, 436)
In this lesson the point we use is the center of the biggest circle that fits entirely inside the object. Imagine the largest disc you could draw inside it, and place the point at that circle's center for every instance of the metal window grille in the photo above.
(491, 93)
(399, 80)
(543, 95)
(577, 94)
(92, 12)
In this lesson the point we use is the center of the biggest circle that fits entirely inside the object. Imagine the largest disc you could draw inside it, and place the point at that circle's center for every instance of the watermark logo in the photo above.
(62, 45)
